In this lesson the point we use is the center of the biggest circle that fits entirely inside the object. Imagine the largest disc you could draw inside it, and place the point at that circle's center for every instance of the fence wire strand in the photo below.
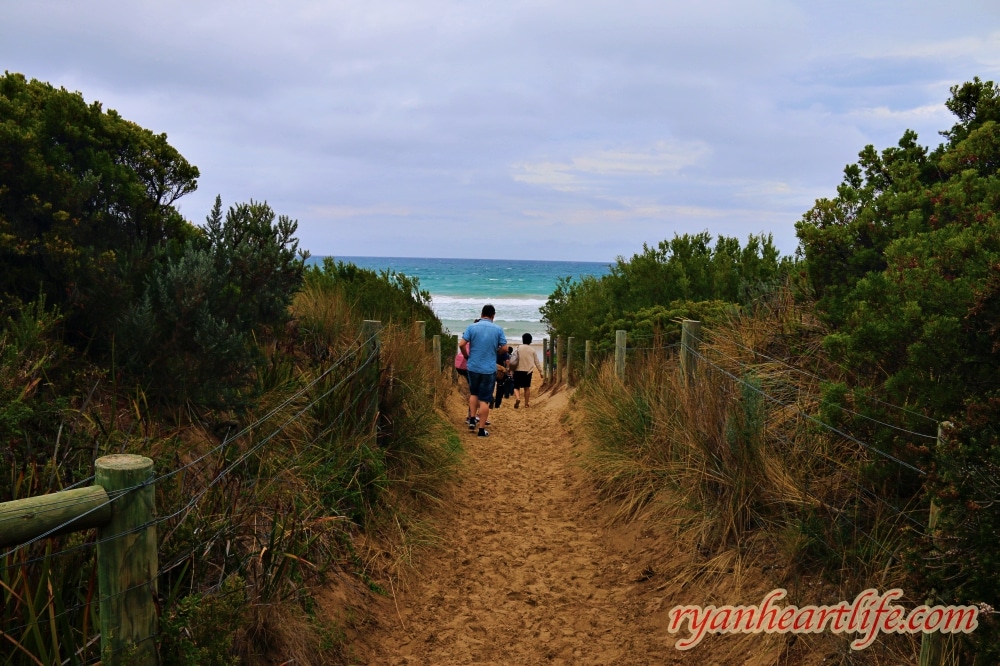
(354, 348)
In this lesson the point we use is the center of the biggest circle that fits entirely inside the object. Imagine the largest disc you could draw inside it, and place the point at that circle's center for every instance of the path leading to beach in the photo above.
(527, 570)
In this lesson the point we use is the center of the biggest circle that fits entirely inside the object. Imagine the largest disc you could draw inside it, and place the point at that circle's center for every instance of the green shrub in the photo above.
(31, 406)
(199, 630)
(193, 334)
(386, 296)
(905, 262)
(79, 189)
(650, 289)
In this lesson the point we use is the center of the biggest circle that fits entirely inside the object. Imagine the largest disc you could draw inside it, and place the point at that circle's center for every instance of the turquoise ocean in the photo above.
(460, 287)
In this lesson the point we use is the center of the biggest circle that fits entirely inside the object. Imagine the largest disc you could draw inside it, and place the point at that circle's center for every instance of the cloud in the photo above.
(349, 212)
(985, 48)
(663, 213)
(662, 158)
(397, 126)
(905, 117)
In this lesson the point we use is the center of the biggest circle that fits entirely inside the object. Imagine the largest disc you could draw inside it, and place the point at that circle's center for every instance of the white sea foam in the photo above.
(468, 308)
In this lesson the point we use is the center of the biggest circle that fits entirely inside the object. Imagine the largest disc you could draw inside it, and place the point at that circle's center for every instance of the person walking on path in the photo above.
(503, 378)
(480, 344)
(524, 364)
(461, 367)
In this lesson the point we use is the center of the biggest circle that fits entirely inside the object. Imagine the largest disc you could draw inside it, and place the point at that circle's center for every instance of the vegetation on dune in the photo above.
(895, 330)
(914, 318)
(282, 443)
(85, 198)
(685, 277)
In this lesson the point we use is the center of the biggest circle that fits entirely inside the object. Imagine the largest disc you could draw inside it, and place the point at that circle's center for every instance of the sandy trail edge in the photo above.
(525, 572)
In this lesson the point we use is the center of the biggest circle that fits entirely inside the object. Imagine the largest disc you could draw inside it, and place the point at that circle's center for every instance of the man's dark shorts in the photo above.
(522, 379)
(481, 385)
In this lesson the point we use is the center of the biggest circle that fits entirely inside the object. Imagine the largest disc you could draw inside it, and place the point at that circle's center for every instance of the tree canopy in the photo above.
(905, 261)
(79, 187)
(685, 276)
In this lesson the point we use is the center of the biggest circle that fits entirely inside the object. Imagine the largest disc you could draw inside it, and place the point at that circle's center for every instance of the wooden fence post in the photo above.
(569, 360)
(420, 328)
(690, 339)
(78, 509)
(620, 339)
(560, 359)
(932, 645)
(127, 561)
(436, 351)
(546, 365)
(587, 348)
(370, 329)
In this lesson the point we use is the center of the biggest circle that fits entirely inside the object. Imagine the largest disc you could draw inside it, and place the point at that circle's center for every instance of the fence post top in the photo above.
(123, 461)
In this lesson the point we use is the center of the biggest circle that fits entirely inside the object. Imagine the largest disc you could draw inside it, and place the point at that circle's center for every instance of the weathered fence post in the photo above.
(569, 360)
(560, 359)
(932, 644)
(127, 561)
(436, 351)
(690, 339)
(620, 338)
(71, 510)
(546, 361)
(420, 329)
(587, 348)
(454, 370)
(370, 329)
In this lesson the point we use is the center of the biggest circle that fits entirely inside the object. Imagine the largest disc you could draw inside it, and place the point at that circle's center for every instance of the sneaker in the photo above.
(483, 432)
(472, 424)
(489, 423)
(517, 403)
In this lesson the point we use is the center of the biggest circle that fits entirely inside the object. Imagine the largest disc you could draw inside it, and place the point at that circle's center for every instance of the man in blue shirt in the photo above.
(480, 344)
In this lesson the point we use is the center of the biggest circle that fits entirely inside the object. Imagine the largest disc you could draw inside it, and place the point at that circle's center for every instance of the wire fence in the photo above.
(786, 400)
(353, 374)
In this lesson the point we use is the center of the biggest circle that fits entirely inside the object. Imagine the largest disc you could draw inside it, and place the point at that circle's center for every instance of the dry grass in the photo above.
(732, 464)
(322, 466)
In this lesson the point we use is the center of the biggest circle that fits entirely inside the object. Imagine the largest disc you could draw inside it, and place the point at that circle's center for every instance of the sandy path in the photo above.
(525, 573)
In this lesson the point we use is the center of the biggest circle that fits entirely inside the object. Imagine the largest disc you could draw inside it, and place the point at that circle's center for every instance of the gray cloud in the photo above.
(407, 128)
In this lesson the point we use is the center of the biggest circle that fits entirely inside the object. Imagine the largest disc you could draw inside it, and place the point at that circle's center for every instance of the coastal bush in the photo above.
(282, 446)
(30, 351)
(85, 197)
(904, 261)
(192, 334)
(839, 469)
(386, 296)
(338, 441)
(683, 277)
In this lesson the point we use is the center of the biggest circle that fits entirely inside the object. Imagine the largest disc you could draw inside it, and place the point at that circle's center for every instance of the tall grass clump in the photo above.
(319, 480)
(736, 459)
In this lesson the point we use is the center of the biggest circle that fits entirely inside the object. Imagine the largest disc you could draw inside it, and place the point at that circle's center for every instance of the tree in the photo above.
(672, 277)
(85, 196)
(897, 257)
(194, 332)
(905, 262)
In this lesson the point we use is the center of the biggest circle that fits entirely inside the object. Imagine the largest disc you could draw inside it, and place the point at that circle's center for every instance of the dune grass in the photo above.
(332, 463)
(731, 460)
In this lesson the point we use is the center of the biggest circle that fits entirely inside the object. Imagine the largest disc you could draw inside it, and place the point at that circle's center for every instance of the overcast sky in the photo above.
(452, 128)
